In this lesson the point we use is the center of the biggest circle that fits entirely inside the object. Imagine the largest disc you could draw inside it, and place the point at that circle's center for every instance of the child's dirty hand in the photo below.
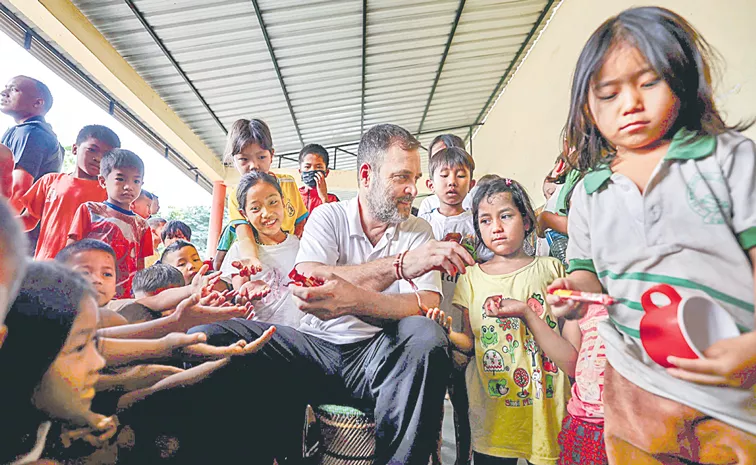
(729, 362)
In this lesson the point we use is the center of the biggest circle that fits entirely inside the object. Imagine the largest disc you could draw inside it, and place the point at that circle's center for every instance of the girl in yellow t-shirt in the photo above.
(516, 391)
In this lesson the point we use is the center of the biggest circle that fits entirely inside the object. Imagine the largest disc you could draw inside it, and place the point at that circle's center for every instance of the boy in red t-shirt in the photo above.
(121, 173)
(313, 166)
(55, 197)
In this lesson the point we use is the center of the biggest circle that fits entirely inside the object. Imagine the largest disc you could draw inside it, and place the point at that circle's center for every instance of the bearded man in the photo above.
(364, 341)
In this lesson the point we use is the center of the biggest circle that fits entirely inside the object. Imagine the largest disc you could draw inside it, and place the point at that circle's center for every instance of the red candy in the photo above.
(304, 281)
(247, 272)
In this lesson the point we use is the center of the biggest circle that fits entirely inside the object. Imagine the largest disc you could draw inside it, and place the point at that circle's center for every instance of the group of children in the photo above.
(650, 177)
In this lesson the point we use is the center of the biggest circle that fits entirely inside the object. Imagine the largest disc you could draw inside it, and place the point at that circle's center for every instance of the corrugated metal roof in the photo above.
(316, 46)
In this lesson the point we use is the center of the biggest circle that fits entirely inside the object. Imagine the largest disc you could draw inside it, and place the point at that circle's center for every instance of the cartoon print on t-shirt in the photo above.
(510, 346)
(497, 388)
(549, 386)
(548, 365)
(537, 375)
(493, 362)
(509, 323)
(521, 378)
(535, 302)
(488, 336)
(532, 348)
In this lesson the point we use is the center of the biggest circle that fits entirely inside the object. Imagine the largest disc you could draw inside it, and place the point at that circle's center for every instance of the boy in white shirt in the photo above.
(450, 179)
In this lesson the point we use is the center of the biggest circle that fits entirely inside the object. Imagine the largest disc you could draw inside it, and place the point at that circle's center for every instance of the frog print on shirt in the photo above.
(488, 336)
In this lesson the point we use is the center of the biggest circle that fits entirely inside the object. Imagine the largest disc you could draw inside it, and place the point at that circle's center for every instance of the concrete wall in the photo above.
(521, 137)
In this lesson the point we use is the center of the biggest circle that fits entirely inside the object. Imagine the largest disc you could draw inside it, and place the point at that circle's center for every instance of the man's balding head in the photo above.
(25, 97)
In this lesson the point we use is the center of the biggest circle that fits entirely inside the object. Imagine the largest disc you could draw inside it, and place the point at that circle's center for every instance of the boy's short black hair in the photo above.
(244, 132)
(147, 194)
(99, 132)
(452, 157)
(449, 140)
(249, 180)
(315, 149)
(175, 247)
(13, 245)
(84, 245)
(156, 278)
(120, 158)
(173, 227)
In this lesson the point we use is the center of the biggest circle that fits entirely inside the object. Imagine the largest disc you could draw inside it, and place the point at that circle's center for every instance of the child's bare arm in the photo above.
(109, 318)
(123, 351)
(188, 314)
(464, 340)
(170, 298)
(194, 374)
(136, 377)
(559, 349)
(579, 280)
(548, 220)
(220, 255)
(247, 246)
(185, 378)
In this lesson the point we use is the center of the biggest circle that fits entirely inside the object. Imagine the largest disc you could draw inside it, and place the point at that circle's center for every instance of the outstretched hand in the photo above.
(247, 267)
(203, 284)
(190, 313)
(206, 352)
(440, 317)
(253, 290)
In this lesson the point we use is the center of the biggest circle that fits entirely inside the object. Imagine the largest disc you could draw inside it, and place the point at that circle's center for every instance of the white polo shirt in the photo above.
(333, 235)
(690, 229)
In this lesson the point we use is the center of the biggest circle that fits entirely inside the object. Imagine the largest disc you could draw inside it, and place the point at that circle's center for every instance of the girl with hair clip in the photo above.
(50, 365)
(516, 383)
(671, 199)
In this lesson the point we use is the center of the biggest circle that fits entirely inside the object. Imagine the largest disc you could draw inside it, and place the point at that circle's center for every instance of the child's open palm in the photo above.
(729, 362)
(191, 313)
(440, 317)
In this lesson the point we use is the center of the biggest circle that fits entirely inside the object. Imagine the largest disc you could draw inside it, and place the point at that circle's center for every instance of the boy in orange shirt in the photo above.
(55, 197)
(121, 173)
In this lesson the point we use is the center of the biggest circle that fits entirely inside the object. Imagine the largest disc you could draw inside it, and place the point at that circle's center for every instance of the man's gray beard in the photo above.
(381, 205)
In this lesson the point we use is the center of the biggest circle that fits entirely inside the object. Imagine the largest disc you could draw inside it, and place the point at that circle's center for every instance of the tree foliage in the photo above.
(198, 219)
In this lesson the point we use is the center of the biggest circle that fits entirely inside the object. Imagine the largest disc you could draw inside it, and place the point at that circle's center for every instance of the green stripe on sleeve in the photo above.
(581, 264)
(680, 282)
(747, 238)
(627, 330)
